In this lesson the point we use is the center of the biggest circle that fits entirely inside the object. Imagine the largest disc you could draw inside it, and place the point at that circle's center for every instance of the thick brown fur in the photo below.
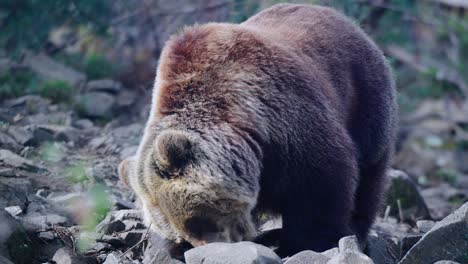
(291, 112)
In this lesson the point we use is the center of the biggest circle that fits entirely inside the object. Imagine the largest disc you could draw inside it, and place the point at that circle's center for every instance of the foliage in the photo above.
(17, 83)
(27, 23)
(56, 90)
(97, 66)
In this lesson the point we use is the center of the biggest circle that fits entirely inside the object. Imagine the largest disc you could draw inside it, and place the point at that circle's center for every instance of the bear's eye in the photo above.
(159, 171)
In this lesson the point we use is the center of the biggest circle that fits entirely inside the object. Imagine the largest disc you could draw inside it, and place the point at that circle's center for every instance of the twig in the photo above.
(137, 244)
(387, 212)
(400, 210)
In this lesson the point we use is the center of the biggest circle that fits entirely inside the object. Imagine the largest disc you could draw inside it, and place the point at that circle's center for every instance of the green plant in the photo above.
(97, 66)
(17, 83)
(77, 173)
(446, 175)
(56, 90)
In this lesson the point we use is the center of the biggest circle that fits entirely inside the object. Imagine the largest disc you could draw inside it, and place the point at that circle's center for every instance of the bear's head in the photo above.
(191, 189)
(197, 169)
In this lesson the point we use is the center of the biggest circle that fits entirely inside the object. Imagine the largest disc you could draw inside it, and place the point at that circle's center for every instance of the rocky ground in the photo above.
(63, 202)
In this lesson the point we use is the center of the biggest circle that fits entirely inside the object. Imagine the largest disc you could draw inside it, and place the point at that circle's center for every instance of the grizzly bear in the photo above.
(291, 112)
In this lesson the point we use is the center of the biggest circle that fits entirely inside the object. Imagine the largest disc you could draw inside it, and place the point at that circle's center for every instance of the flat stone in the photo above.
(306, 257)
(104, 85)
(14, 210)
(448, 240)
(45, 221)
(8, 158)
(231, 253)
(47, 235)
(96, 104)
(66, 256)
(49, 69)
(425, 225)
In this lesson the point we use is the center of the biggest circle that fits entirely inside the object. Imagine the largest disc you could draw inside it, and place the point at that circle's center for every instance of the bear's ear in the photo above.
(173, 149)
(125, 168)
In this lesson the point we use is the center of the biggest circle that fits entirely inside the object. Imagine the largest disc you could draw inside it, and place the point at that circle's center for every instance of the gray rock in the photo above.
(382, 249)
(83, 124)
(349, 243)
(404, 190)
(44, 221)
(8, 142)
(24, 102)
(425, 225)
(43, 133)
(66, 256)
(22, 135)
(111, 227)
(227, 253)
(133, 225)
(14, 210)
(126, 98)
(96, 104)
(438, 198)
(306, 257)
(47, 235)
(406, 243)
(331, 252)
(4, 260)
(132, 237)
(14, 193)
(112, 258)
(351, 258)
(10, 159)
(104, 85)
(48, 69)
(448, 240)
(67, 199)
(14, 242)
(126, 214)
(157, 252)
(446, 262)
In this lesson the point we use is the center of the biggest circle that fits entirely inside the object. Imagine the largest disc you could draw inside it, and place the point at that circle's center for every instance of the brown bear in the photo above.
(291, 112)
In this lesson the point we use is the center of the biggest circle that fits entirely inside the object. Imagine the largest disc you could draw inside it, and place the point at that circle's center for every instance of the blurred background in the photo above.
(76, 78)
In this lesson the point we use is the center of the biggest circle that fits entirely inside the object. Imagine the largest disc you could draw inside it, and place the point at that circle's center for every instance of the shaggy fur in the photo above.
(291, 112)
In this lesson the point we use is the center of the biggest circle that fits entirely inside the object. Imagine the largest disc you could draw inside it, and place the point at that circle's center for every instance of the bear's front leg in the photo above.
(317, 211)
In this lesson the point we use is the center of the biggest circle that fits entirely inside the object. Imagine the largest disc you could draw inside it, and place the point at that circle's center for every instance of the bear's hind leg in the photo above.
(369, 194)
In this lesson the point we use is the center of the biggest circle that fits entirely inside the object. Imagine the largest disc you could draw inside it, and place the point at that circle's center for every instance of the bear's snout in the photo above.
(199, 226)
